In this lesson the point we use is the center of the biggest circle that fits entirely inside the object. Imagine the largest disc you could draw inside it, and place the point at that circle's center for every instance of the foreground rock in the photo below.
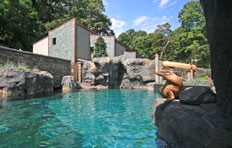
(218, 16)
(198, 95)
(201, 125)
(119, 72)
(69, 83)
(17, 84)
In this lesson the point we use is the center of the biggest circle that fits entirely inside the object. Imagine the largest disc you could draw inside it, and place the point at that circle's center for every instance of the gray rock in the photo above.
(191, 126)
(19, 84)
(151, 86)
(126, 84)
(69, 83)
(118, 72)
(198, 95)
(87, 75)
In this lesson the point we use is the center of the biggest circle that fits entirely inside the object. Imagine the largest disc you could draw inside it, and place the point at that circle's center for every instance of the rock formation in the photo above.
(218, 14)
(69, 83)
(18, 84)
(193, 121)
(201, 119)
(119, 72)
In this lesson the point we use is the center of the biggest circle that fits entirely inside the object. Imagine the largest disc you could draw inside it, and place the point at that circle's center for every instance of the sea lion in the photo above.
(173, 86)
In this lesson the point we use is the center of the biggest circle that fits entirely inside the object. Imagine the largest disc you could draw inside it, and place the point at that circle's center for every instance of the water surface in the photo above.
(101, 119)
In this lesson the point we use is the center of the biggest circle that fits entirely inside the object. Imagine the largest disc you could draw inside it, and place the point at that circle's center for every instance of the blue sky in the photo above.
(142, 14)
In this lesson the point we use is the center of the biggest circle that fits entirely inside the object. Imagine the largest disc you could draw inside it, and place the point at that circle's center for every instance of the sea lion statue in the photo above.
(173, 86)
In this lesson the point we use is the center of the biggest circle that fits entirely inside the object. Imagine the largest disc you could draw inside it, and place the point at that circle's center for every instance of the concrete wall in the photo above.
(56, 66)
(119, 49)
(65, 40)
(110, 43)
(83, 43)
(130, 54)
(41, 46)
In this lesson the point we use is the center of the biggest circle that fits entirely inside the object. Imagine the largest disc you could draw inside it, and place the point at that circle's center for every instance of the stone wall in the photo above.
(130, 54)
(56, 66)
(119, 72)
(202, 72)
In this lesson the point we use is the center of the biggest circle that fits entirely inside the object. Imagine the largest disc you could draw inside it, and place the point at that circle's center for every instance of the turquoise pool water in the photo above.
(99, 119)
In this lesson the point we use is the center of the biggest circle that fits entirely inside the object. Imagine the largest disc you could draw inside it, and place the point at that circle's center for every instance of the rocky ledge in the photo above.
(193, 121)
(119, 72)
(18, 84)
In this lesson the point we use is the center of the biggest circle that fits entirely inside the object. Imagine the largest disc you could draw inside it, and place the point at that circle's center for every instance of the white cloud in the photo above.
(105, 3)
(150, 24)
(140, 20)
(154, 1)
(163, 3)
(117, 26)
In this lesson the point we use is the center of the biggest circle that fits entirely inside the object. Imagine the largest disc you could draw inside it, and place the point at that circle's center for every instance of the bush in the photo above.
(100, 48)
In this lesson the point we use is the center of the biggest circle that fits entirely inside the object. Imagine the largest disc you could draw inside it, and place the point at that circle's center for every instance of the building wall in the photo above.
(41, 47)
(65, 40)
(56, 66)
(119, 49)
(83, 43)
(110, 43)
(130, 54)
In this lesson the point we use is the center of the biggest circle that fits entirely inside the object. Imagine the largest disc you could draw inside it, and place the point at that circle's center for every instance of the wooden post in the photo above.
(79, 67)
(157, 67)
(191, 74)
(160, 68)
(188, 75)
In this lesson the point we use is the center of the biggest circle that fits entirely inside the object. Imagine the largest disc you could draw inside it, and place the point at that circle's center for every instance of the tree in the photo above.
(192, 16)
(129, 36)
(125, 39)
(162, 37)
(100, 48)
(18, 24)
(26, 21)
(191, 40)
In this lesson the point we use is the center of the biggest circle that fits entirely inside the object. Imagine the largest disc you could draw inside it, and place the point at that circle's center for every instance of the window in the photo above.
(53, 41)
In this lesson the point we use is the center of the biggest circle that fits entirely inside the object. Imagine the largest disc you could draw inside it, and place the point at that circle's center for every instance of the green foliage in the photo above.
(185, 43)
(18, 23)
(100, 48)
(19, 67)
(25, 21)
(147, 44)
(192, 16)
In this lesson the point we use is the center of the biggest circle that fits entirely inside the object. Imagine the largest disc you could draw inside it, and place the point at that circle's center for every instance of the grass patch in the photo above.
(20, 67)
(205, 77)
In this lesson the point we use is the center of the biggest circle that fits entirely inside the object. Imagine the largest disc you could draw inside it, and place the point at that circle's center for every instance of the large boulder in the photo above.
(198, 95)
(69, 83)
(191, 126)
(87, 69)
(139, 69)
(17, 84)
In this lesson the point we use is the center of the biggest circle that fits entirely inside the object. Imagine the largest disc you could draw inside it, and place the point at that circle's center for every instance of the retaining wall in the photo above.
(56, 66)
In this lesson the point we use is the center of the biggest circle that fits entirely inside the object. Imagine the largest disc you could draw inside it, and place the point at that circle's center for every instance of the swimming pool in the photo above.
(104, 118)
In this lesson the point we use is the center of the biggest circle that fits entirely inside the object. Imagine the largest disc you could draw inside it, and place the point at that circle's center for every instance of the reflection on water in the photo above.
(105, 118)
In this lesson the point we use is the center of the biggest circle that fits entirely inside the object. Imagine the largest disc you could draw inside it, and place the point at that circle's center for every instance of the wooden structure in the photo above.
(76, 70)
(167, 64)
